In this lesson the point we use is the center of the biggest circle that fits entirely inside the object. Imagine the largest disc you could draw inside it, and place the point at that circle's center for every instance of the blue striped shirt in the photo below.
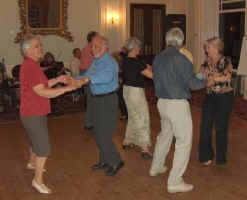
(103, 75)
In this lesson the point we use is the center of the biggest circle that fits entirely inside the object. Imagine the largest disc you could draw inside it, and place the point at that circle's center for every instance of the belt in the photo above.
(103, 95)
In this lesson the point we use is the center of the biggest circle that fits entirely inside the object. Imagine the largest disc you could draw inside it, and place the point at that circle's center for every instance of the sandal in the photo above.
(207, 163)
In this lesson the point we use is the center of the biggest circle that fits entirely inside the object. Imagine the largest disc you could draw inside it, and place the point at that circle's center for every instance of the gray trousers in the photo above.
(89, 103)
(104, 122)
(37, 132)
(175, 122)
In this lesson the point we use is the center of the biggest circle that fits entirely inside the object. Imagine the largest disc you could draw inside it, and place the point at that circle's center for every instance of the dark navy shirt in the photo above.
(174, 76)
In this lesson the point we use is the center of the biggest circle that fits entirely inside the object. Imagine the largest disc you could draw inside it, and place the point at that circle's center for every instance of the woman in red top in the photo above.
(35, 105)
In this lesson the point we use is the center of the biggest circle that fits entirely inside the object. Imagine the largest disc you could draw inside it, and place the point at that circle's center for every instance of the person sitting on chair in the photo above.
(51, 67)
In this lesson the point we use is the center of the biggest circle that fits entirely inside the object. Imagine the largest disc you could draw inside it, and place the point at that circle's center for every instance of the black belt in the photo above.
(102, 95)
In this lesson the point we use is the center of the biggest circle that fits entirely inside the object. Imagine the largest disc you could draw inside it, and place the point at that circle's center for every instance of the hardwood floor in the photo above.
(70, 177)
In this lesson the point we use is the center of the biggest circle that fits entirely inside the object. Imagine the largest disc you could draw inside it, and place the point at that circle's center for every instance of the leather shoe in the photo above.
(88, 128)
(99, 166)
(127, 147)
(112, 170)
(146, 155)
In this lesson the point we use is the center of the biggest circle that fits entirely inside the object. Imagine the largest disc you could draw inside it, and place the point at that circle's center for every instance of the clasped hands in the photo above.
(72, 83)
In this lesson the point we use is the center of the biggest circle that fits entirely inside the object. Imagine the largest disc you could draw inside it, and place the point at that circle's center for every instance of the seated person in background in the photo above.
(15, 74)
(7, 93)
(51, 68)
(74, 66)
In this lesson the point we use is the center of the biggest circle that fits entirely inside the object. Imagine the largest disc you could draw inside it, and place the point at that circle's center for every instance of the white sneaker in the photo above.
(158, 172)
(41, 188)
(182, 187)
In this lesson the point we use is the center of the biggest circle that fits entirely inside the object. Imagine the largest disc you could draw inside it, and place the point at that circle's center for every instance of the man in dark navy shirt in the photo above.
(173, 80)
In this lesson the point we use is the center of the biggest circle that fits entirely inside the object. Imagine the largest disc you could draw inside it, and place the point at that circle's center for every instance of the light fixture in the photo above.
(112, 17)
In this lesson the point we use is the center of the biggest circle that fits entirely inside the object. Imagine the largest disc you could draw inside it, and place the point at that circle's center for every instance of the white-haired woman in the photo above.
(134, 73)
(217, 104)
(35, 105)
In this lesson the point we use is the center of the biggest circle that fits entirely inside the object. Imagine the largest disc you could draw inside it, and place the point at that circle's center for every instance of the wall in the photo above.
(203, 19)
(82, 17)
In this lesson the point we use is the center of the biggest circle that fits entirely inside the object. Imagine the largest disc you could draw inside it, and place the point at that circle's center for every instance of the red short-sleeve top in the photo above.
(31, 75)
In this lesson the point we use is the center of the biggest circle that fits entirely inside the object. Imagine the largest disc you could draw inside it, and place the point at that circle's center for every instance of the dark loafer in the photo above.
(146, 155)
(99, 166)
(128, 146)
(112, 170)
(88, 128)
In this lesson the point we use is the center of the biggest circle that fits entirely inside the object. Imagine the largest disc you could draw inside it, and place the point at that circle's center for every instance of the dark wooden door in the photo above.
(147, 22)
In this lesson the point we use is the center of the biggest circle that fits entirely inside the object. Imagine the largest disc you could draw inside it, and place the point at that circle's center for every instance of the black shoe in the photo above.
(146, 155)
(99, 166)
(221, 162)
(112, 170)
(88, 127)
(128, 146)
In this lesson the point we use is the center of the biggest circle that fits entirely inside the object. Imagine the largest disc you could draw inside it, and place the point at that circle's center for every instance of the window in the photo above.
(232, 4)
(232, 27)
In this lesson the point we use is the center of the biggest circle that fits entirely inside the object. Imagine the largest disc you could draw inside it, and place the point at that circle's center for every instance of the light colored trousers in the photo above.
(138, 125)
(175, 122)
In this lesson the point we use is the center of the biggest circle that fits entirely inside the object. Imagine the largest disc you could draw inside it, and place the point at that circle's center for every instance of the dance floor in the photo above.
(74, 151)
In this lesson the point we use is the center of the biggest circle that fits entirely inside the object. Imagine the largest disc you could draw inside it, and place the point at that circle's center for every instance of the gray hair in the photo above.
(26, 43)
(132, 43)
(175, 37)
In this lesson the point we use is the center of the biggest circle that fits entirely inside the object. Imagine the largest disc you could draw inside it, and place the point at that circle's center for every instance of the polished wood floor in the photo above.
(70, 177)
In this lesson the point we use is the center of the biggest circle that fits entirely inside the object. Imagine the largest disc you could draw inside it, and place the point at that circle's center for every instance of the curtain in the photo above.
(157, 32)
(139, 23)
(242, 69)
(115, 32)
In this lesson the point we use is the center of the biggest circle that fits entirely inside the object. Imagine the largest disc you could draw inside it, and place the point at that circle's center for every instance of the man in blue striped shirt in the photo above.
(102, 76)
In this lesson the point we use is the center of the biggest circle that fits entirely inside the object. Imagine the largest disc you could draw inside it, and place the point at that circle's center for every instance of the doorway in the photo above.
(147, 23)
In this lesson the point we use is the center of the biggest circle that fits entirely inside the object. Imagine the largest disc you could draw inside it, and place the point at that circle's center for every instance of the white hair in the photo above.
(175, 37)
(132, 43)
(26, 43)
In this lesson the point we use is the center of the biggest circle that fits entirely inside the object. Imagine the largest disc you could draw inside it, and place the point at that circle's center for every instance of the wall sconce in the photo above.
(112, 17)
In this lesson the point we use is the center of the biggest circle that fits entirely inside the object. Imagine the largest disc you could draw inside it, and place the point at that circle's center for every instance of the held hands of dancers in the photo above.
(63, 79)
(68, 80)
(82, 81)
(78, 83)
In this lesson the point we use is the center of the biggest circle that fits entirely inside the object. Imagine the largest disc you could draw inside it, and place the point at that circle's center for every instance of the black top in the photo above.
(132, 68)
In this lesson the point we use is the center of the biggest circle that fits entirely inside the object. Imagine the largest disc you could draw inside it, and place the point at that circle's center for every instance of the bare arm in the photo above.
(82, 81)
(148, 72)
(61, 79)
(48, 92)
